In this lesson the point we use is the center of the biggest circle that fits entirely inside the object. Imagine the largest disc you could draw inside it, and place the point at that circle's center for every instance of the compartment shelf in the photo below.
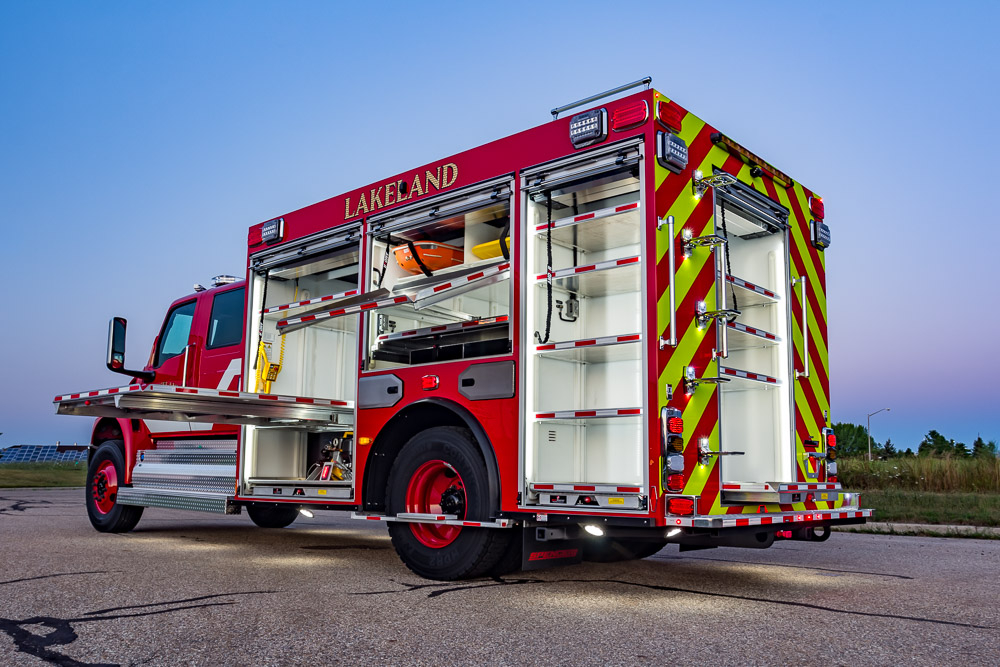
(747, 337)
(602, 413)
(615, 276)
(276, 311)
(594, 350)
(619, 226)
(442, 328)
(754, 379)
(750, 294)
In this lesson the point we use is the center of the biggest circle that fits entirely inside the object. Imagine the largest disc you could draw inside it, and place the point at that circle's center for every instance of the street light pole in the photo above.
(869, 429)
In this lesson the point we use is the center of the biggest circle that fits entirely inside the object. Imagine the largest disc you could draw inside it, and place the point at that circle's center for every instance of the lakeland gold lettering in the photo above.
(395, 192)
(435, 179)
(452, 170)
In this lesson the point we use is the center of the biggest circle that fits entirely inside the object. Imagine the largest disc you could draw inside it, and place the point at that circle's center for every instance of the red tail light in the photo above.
(670, 115)
(832, 478)
(675, 425)
(628, 116)
(831, 440)
(817, 208)
(681, 506)
(676, 482)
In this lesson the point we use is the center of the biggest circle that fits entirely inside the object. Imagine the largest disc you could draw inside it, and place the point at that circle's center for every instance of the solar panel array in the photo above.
(44, 454)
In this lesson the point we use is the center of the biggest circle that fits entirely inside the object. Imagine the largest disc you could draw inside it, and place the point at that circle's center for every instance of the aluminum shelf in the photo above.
(743, 337)
(748, 293)
(594, 350)
(616, 276)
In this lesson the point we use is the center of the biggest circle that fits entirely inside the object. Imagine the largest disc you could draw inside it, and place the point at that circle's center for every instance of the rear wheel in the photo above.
(440, 471)
(105, 475)
(613, 550)
(272, 515)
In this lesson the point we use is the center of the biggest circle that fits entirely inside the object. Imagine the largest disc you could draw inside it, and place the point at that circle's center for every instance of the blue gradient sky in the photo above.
(138, 141)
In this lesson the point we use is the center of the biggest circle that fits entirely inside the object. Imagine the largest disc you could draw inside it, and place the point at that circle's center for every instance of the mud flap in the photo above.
(549, 547)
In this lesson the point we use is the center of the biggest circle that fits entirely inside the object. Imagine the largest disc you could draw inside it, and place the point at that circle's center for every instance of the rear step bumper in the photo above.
(847, 516)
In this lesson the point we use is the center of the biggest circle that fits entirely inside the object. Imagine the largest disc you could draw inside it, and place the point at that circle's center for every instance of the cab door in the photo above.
(171, 360)
(221, 350)
(172, 355)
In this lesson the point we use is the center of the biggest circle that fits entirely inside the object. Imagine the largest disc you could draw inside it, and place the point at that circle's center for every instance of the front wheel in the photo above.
(105, 474)
(440, 471)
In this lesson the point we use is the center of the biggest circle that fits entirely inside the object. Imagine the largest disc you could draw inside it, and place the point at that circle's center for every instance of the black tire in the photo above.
(105, 472)
(272, 515)
(613, 550)
(471, 552)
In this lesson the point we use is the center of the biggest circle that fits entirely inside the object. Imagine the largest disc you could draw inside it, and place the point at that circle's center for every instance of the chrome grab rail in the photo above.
(802, 281)
(671, 291)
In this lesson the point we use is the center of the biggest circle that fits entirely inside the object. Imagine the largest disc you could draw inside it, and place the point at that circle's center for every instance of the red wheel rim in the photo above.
(430, 484)
(105, 487)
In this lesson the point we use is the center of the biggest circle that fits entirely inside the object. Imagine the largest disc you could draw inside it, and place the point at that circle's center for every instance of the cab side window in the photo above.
(226, 325)
(176, 332)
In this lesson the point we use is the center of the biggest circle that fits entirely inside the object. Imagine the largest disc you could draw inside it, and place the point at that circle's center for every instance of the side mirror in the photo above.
(116, 351)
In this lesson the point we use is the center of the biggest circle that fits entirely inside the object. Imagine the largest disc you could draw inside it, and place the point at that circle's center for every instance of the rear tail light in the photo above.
(816, 207)
(676, 483)
(831, 440)
(680, 506)
(630, 115)
(675, 425)
(670, 115)
(832, 478)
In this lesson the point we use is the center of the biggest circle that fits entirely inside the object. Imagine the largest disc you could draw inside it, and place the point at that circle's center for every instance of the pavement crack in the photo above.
(63, 632)
(441, 589)
(58, 574)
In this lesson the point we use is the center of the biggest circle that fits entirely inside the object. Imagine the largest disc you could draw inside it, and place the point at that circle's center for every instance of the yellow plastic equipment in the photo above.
(490, 249)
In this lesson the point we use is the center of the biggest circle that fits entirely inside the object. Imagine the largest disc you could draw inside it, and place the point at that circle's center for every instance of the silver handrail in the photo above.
(579, 103)
(802, 281)
(672, 340)
(720, 294)
(184, 376)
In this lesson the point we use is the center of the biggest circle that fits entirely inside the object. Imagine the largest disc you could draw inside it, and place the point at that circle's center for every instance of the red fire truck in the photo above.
(583, 341)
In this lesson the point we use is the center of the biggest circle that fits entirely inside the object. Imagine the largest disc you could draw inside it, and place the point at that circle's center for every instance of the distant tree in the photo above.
(983, 449)
(889, 450)
(934, 444)
(960, 449)
(908, 452)
(852, 439)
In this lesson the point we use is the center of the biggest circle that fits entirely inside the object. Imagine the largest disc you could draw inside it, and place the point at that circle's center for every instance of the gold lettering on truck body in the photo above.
(395, 192)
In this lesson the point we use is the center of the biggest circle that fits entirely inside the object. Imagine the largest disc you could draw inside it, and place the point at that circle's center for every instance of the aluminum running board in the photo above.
(197, 404)
(187, 470)
(440, 519)
(220, 503)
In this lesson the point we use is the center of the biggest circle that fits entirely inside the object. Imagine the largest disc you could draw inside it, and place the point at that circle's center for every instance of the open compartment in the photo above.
(295, 462)
(585, 380)
(444, 271)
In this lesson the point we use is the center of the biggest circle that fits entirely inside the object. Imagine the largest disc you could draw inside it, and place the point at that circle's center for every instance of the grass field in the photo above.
(19, 475)
(937, 475)
(960, 509)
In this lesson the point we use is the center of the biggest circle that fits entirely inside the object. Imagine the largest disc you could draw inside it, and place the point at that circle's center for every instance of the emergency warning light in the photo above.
(671, 152)
(820, 234)
(272, 230)
(588, 127)
(629, 116)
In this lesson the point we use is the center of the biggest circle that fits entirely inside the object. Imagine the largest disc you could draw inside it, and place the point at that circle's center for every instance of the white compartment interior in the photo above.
(755, 417)
(609, 301)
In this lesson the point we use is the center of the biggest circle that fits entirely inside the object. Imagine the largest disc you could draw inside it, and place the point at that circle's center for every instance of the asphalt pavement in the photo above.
(202, 589)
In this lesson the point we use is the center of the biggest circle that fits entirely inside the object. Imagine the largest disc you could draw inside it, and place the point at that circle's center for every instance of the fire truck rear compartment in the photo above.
(755, 404)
